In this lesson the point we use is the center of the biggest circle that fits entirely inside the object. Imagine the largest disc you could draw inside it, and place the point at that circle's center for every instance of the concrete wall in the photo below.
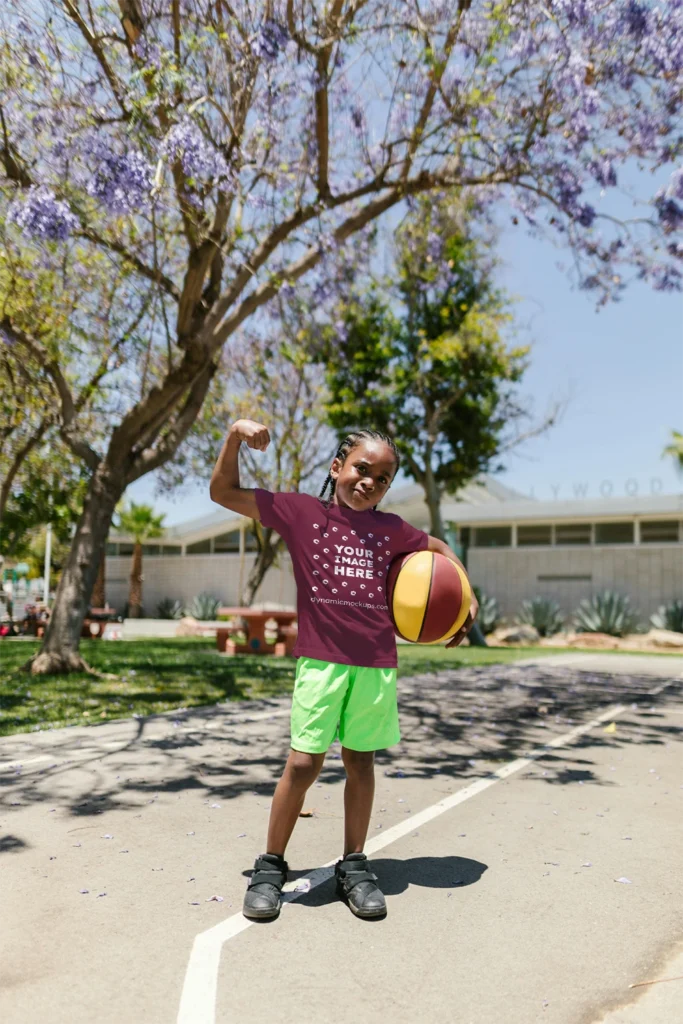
(182, 578)
(650, 574)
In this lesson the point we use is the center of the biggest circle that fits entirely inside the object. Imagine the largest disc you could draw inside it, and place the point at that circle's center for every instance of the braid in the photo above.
(351, 441)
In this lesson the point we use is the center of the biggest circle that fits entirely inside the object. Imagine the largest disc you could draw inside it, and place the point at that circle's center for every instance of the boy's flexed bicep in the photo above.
(225, 487)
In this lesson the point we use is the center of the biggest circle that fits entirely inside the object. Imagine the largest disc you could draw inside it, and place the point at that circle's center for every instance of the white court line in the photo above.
(198, 997)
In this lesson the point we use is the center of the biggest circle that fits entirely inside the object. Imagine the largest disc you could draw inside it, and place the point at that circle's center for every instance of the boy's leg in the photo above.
(300, 773)
(262, 898)
(359, 794)
(369, 722)
(356, 883)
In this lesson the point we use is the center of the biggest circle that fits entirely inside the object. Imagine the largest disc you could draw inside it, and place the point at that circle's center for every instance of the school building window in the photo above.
(614, 533)
(659, 531)
(493, 537)
(534, 536)
(202, 547)
(573, 533)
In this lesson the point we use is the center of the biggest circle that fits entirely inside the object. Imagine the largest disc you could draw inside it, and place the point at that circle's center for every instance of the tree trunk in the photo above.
(99, 594)
(135, 590)
(433, 499)
(271, 545)
(59, 651)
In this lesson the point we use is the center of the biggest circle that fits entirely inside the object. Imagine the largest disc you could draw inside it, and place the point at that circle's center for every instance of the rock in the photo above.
(600, 640)
(515, 635)
(665, 638)
(188, 627)
(557, 640)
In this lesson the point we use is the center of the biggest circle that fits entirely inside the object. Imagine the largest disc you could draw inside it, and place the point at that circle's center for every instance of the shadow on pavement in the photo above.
(395, 876)
(456, 724)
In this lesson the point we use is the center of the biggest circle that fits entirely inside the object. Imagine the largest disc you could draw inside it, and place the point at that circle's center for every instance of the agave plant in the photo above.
(543, 614)
(489, 613)
(607, 612)
(170, 609)
(204, 606)
(669, 616)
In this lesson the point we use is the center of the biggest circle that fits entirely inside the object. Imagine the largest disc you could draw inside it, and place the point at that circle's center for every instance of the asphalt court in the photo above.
(491, 909)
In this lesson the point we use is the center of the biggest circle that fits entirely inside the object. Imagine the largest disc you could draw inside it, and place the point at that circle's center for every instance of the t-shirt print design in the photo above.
(357, 558)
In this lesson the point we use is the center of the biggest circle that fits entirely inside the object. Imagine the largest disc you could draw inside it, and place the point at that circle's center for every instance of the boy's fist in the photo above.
(254, 434)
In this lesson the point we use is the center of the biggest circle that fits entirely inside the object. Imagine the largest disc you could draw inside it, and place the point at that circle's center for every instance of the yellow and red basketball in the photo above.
(429, 597)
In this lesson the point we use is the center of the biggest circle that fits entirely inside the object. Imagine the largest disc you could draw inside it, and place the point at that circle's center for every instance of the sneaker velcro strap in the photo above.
(352, 878)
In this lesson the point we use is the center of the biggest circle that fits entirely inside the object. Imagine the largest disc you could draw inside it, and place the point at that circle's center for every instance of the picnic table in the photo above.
(253, 622)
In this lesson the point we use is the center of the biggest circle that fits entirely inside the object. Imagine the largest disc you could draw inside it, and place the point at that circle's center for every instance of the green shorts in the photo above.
(358, 704)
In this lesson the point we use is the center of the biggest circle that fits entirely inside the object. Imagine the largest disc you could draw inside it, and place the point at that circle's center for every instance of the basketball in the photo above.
(429, 597)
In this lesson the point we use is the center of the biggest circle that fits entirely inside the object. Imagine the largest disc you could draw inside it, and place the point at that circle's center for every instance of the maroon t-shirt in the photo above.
(341, 559)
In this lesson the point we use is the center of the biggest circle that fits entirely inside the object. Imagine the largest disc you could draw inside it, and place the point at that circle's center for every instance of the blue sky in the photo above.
(619, 369)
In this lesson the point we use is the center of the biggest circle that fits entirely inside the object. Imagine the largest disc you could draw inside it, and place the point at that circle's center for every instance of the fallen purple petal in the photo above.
(626, 881)
(84, 890)
(216, 899)
(241, 835)
(189, 833)
(106, 836)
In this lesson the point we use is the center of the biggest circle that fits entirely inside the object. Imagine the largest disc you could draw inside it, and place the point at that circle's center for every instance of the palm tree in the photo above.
(675, 449)
(140, 523)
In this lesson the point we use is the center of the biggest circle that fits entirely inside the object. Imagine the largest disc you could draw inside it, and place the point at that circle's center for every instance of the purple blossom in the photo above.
(636, 19)
(585, 215)
(122, 182)
(270, 40)
(200, 160)
(669, 212)
(603, 171)
(42, 216)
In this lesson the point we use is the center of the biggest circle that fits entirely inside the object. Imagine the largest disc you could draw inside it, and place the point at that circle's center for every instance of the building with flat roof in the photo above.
(515, 548)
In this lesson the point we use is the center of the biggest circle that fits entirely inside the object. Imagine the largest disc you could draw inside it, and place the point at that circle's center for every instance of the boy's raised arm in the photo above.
(225, 488)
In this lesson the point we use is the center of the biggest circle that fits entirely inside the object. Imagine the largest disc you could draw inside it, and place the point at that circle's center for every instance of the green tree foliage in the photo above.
(675, 449)
(425, 356)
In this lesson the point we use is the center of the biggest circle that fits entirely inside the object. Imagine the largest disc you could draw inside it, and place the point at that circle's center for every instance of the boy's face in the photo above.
(365, 477)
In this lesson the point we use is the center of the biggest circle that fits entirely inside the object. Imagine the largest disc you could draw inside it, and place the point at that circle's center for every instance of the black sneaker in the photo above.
(357, 886)
(262, 898)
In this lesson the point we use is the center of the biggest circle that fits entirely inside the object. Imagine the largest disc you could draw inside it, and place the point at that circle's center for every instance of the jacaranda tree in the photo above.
(218, 151)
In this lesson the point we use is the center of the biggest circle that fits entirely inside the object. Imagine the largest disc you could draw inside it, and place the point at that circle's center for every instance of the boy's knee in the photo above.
(303, 768)
(359, 763)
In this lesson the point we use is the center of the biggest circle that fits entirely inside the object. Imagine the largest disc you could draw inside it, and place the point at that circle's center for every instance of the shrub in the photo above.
(489, 613)
(543, 614)
(170, 609)
(204, 606)
(607, 612)
(669, 616)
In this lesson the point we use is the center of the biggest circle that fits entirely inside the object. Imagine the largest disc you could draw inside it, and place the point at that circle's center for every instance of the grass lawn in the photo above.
(161, 675)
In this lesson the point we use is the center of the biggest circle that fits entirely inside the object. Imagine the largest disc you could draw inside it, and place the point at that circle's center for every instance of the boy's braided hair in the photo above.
(352, 441)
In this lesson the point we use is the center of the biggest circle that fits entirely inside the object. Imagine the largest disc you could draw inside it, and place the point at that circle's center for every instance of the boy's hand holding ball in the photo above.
(255, 435)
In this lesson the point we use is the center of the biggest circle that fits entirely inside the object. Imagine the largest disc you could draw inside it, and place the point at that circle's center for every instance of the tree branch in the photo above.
(94, 44)
(152, 458)
(149, 272)
(20, 456)
(67, 427)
